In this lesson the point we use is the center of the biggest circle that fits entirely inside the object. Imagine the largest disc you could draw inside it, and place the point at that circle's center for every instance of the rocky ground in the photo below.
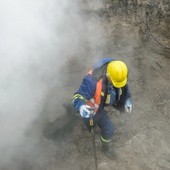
(142, 139)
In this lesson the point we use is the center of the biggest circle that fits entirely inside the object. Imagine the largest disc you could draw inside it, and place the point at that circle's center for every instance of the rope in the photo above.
(94, 148)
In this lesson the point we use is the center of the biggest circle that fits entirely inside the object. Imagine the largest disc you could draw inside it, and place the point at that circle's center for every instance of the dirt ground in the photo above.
(142, 139)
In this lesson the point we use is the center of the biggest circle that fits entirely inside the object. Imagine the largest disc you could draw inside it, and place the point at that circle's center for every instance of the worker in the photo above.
(104, 85)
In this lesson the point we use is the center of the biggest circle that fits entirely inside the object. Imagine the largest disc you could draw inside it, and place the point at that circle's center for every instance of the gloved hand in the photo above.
(128, 105)
(84, 111)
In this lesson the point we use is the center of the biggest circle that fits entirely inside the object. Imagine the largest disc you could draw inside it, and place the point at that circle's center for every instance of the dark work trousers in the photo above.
(104, 123)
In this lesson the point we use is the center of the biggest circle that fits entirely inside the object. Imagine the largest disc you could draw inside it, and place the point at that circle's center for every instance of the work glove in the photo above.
(128, 105)
(84, 111)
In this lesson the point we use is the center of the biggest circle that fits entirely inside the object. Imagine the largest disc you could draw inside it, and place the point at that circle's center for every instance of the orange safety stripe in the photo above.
(95, 101)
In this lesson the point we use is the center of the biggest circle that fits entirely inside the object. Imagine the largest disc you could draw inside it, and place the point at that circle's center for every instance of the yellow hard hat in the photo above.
(117, 72)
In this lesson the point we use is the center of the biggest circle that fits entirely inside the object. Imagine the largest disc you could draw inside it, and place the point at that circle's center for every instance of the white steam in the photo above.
(36, 38)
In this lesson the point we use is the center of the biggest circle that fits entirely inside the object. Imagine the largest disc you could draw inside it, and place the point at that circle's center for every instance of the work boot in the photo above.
(108, 151)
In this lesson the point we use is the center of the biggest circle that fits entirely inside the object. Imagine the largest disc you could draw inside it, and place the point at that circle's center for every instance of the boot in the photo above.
(108, 151)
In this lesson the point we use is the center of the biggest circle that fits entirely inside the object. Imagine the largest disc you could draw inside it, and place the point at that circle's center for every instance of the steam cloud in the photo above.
(36, 39)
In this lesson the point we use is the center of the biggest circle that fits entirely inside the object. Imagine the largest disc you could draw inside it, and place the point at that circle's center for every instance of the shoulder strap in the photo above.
(104, 90)
(99, 72)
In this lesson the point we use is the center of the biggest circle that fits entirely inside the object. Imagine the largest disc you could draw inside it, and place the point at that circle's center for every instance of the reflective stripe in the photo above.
(78, 96)
(120, 92)
(102, 93)
(105, 140)
(107, 99)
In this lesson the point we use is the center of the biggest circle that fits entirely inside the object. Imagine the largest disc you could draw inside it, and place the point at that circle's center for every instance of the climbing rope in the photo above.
(94, 148)
(91, 123)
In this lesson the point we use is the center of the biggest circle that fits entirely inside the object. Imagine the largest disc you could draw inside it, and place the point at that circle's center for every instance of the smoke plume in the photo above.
(37, 39)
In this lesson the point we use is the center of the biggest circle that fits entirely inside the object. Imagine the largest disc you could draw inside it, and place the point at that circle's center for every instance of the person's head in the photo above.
(117, 73)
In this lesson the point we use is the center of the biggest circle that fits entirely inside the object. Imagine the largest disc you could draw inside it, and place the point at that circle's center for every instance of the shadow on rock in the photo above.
(61, 128)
